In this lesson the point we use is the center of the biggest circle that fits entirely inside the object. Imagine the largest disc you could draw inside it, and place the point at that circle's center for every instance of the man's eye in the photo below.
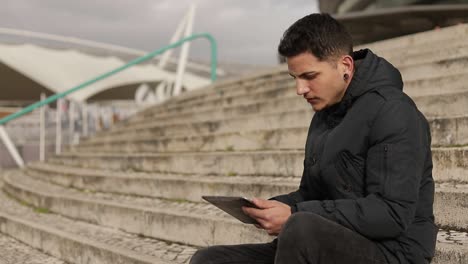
(310, 77)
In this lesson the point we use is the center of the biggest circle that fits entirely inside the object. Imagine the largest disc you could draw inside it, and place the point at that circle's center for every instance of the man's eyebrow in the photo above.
(304, 74)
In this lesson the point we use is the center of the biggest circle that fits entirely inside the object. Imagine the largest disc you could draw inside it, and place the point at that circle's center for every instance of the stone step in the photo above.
(451, 203)
(450, 81)
(437, 85)
(159, 185)
(453, 36)
(430, 103)
(400, 44)
(445, 67)
(266, 139)
(250, 97)
(451, 247)
(269, 82)
(449, 104)
(264, 101)
(446, 105)
(13, 251)
(449, 161)
(191, 223)
(198, 224)
(429, 53)
(274, 78)
(198, 123)
(274, 163)
(449, 131)
(80, 242)
(273, 94)
(271, 76)
(190, 187)
(286, 98)
(289, 119)
(447, 41)
(445, 132)
(281, 78)
(266, 77)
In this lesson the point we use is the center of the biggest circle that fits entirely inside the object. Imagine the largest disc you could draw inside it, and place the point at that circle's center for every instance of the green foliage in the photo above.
(41, 210)
(230, 148)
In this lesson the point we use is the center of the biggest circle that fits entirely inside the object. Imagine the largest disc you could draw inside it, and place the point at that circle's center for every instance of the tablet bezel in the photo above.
(233, 206)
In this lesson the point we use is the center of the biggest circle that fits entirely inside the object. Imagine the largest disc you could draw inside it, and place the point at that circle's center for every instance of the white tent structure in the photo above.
(29, 70)
(59, 70)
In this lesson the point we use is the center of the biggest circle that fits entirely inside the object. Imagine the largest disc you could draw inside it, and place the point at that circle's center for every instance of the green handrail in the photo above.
(50, 99)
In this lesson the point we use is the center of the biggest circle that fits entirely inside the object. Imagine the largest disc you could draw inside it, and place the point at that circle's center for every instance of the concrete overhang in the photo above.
(374, 25)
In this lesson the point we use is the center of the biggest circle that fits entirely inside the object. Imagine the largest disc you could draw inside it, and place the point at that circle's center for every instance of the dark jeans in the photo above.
(305, 238)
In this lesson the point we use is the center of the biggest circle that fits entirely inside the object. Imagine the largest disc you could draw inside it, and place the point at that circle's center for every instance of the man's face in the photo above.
(321, 83)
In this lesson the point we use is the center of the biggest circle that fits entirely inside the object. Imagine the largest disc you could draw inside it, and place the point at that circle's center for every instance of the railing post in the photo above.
(71, 121)
(58, 131)
(11, 147)
(84, 113)
(42, 130)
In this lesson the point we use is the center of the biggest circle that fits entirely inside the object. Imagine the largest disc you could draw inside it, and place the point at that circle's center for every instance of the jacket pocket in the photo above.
(381, 164)
(385, 167)
(377, 169)
(351, 175)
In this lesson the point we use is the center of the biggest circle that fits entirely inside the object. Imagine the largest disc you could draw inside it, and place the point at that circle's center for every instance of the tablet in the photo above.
(233, 206)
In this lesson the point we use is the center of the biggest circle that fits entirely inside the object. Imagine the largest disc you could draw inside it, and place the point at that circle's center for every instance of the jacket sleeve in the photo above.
(399, 143)
(301, 195)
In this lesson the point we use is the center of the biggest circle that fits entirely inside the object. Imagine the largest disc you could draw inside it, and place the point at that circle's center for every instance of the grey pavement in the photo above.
(14, 252)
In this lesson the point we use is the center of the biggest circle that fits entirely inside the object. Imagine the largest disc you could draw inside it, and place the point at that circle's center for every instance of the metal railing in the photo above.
(50, 99)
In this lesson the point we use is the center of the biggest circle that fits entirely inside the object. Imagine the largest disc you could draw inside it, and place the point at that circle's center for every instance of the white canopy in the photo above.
(61, 69)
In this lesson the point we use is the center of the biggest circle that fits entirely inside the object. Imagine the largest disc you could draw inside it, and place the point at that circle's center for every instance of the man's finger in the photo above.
(262, 203)
(254, 212)
(262, 223)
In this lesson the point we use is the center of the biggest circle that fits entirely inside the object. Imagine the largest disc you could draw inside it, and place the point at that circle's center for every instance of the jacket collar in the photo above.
(372, 73)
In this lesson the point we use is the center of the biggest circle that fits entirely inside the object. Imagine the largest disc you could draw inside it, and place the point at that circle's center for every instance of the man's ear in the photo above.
(348, 65)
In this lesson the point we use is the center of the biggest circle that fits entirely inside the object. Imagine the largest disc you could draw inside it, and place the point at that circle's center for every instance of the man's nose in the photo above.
(301, 87)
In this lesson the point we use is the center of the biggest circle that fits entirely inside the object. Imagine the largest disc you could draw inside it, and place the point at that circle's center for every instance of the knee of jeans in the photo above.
(201, 256)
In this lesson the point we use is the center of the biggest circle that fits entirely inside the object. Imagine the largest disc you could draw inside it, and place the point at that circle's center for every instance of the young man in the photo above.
(366, 194)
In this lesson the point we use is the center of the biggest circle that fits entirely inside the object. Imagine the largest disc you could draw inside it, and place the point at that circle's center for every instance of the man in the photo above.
(366, 194)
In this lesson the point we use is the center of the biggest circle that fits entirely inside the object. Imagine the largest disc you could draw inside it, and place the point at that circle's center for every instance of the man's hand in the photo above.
(271, 216)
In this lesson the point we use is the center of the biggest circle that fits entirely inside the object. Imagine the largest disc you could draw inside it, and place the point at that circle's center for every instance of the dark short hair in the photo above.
(319, 34)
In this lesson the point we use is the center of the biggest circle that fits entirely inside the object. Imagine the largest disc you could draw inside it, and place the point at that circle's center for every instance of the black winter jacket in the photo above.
(368, 164)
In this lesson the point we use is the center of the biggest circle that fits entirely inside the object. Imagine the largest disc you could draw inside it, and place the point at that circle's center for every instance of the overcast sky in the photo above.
(247, 31)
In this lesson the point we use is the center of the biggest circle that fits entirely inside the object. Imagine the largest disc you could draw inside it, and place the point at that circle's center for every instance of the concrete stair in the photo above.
(190, 188)
(420, 41)
(446, 131)
(266, 100)
(162, 218)
(77, 241)
(14, 251)
(133, 194)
